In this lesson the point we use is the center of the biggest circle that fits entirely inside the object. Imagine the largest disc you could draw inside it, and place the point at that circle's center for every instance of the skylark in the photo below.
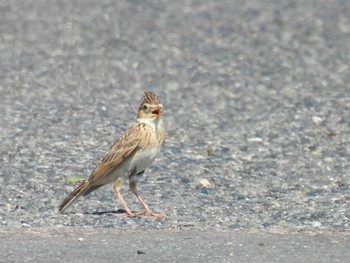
(128, 157)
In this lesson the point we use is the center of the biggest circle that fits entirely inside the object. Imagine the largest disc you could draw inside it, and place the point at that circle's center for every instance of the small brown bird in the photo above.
(129, 156)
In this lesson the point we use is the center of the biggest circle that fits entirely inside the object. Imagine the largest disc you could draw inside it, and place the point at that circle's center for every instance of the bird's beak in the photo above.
(156, 111)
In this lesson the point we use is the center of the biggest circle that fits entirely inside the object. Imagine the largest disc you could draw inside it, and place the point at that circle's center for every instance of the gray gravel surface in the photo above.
(256, 97)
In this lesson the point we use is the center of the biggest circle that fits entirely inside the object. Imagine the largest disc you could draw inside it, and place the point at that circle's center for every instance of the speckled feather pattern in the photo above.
(131, 153)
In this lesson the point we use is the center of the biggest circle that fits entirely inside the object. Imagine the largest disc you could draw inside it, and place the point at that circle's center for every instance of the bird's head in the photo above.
(151, 107)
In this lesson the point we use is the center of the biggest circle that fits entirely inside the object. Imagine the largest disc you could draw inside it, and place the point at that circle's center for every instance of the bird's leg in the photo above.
(117, 186)
(147, 210)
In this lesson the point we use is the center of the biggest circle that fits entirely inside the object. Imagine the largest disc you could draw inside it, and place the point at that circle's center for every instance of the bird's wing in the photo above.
(120, 150)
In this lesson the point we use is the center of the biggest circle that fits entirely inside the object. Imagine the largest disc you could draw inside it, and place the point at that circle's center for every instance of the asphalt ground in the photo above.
(112, 245)
(256, 105)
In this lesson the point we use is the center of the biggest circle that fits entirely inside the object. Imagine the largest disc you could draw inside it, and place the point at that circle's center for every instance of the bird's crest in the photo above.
(150, 98)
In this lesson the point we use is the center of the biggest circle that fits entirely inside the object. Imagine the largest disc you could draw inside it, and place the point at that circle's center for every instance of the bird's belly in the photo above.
(140, 161)
(144, 159)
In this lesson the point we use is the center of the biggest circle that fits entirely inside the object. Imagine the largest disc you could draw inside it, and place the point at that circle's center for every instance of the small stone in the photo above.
(316, 224)
(275, 204)
(328, 160)
(317, 120)
(255, 139)
(204, 182)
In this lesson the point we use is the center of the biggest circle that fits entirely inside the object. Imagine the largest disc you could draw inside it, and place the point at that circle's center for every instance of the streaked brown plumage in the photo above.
(129, 156)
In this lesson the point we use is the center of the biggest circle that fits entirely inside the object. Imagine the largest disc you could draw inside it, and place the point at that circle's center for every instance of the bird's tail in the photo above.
(81, 189)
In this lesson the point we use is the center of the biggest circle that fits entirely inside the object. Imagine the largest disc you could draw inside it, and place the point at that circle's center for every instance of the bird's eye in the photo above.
(144, 107)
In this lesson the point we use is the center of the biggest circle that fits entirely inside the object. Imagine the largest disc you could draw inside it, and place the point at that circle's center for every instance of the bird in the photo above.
(128, 157)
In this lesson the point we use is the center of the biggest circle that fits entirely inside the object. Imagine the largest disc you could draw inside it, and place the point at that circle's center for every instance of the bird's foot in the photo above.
(149, 213)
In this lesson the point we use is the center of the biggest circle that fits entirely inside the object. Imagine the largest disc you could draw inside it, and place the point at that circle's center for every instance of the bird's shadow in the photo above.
(111, 212)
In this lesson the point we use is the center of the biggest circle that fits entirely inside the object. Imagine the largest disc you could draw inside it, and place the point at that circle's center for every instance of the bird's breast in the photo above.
(144, 158)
